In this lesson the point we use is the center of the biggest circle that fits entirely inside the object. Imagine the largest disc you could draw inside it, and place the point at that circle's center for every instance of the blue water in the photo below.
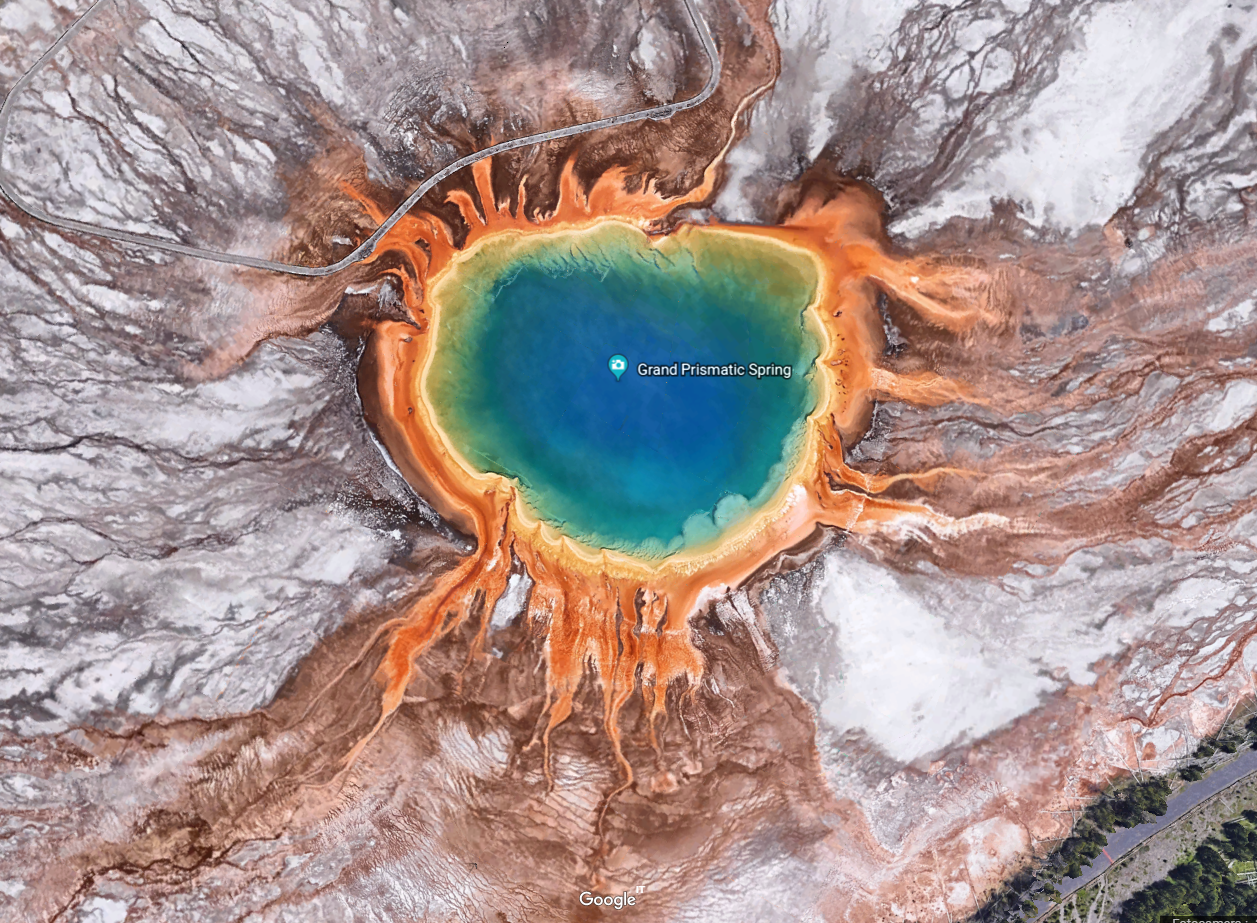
(646, 465)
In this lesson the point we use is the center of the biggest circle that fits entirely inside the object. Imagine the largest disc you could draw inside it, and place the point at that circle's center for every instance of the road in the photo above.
(363, 250)
(1190, 796)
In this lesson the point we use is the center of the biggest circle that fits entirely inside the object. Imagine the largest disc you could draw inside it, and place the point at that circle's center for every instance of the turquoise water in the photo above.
(647, 465)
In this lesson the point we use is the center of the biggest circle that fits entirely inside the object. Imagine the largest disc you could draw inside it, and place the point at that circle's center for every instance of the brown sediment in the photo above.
(1119, 340)
(624, 617)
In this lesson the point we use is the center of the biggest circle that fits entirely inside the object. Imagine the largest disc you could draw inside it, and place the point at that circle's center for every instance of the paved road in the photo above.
(1185, 799)
(363, 250)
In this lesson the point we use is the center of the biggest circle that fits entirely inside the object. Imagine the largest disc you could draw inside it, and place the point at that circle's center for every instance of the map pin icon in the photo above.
(618, 365)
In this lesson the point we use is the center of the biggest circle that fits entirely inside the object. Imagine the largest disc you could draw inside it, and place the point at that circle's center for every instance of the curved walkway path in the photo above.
(364, 249)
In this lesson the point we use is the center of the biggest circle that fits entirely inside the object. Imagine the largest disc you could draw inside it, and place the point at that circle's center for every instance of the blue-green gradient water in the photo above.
(645, 465)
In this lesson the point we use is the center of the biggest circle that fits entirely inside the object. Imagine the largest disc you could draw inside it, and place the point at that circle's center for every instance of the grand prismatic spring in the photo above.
(642, 463)
(623, 614)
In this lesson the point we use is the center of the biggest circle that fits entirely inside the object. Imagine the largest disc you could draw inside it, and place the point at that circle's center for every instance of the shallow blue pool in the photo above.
(646, 464)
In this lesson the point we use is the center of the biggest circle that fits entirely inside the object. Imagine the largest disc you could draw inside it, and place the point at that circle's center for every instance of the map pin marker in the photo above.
(618, 365)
